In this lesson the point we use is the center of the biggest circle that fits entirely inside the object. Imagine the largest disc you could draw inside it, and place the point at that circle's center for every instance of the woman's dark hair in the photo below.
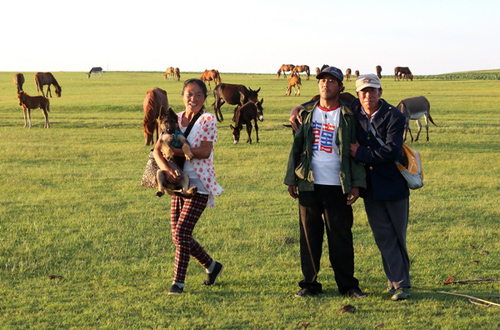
(198, 82)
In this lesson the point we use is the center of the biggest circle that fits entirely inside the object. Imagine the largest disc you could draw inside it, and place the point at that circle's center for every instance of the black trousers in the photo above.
(326, 208)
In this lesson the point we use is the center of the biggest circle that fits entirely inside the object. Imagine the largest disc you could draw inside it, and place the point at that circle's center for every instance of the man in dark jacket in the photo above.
(380, 141)
(326, 180)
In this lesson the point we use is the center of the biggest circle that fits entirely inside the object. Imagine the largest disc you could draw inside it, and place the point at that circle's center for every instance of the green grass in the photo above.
(71, 205)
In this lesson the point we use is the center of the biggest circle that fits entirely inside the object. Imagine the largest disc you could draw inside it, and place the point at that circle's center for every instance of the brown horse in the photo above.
(294, 82)
(317, 71)
(19, 81)
(235, 95)
(46, 78)
(209, 75)
(356, 73)
(285, 68)
(302, 68)
(402, 71)
(169, 73)
(378, 68)
(243, 116)
(177, 74)
(155, 107)
(348, 74)
(33, 102)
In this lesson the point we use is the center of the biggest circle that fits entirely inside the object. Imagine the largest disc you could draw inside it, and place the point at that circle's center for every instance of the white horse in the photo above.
(414, 108)
(94, 70)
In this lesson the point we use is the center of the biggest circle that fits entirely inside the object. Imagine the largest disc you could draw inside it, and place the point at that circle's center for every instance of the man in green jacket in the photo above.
(326, 180)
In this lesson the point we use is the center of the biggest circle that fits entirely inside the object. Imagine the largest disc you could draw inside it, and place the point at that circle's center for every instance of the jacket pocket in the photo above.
(303, 171)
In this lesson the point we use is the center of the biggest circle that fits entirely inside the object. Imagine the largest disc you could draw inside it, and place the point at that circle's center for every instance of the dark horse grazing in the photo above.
(155, 107)
(379, 71)
(235, 95)
(19, 81)
(33, 102)
(46, 78)
(93, 71)
(402, 71)
(244, 116)
(209, 75)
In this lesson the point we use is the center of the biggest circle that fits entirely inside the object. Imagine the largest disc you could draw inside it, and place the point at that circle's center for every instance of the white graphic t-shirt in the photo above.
(325, 157)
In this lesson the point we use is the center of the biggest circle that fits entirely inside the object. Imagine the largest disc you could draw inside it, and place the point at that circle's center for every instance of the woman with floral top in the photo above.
(185, 212)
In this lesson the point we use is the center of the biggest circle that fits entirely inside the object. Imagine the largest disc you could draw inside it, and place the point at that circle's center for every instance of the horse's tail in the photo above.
(237, 114)
(432, 121)
(37, 83)
(150, 119)
(149, 126)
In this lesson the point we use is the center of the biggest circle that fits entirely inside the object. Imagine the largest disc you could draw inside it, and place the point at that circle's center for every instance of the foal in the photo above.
(33, 102)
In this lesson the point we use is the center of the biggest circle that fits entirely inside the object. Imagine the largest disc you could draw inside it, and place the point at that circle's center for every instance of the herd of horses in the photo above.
(413, 108)
(294, 82)
(93, 71)
(248, 106)
(402, 72)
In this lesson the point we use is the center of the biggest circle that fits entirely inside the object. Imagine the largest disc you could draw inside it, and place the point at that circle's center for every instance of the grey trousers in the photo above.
(389, 221)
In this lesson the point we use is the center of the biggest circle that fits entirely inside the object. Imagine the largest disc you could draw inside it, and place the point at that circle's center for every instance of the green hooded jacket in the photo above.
(299, 170)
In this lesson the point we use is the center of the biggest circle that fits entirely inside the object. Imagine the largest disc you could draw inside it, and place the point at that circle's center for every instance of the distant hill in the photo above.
(477, 71)
(474, 75)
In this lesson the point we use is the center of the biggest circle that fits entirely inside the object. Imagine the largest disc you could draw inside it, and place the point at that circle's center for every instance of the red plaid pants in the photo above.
(184, 215)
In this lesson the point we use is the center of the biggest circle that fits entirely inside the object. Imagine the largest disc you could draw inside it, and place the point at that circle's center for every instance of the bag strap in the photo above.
(191, 123)
(372, 130)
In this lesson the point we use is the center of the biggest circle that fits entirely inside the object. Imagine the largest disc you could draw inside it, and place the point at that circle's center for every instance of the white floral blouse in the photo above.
(204, 129)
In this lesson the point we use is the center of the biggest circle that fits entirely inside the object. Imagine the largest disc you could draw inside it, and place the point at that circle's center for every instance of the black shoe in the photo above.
(212, 277)
(356, 293)
(175, 289)
(306, 292)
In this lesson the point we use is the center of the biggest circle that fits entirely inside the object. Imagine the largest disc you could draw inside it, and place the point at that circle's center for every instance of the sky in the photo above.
(257, 36)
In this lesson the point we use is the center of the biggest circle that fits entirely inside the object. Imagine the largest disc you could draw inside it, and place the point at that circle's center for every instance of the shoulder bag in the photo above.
(412, 170)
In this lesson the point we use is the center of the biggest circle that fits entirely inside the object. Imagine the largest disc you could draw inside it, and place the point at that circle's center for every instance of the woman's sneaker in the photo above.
(175, 289)
(212, 277)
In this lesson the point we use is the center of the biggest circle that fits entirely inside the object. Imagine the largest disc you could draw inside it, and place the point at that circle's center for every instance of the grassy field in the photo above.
(71, 206)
